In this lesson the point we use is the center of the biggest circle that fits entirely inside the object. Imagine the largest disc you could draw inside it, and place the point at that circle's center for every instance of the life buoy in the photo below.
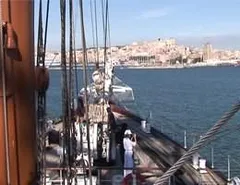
(128, 180)
(42, 79)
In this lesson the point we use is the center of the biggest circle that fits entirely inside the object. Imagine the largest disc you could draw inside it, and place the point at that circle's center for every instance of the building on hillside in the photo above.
(143, 58)
(207, 52)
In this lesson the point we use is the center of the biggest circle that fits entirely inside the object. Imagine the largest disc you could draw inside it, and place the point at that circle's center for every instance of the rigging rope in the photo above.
(103, 18)
(40, 36)
(46, 28)
(105, 26)
(93, 32)
(65, 94)
(72, 132)
(4, 96)
(109, 35)
(41, 104)
(75, 59)
(85, 87)
(96, 27)
(109, 45)
(206, 137)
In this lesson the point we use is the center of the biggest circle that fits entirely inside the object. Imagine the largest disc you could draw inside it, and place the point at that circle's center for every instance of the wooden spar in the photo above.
(20, 102)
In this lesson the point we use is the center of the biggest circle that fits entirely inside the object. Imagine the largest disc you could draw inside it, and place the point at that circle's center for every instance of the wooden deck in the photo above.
(156, 153)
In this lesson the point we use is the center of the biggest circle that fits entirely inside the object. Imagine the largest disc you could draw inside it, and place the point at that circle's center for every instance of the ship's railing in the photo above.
(186, 140)
(114, 177)
(225, 168)
(99, 178)
(229, 166)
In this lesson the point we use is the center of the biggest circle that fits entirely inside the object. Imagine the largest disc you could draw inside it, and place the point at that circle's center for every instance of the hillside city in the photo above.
(159, 53)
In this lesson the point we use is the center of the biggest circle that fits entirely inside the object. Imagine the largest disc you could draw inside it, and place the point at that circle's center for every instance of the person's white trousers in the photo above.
(128, 162)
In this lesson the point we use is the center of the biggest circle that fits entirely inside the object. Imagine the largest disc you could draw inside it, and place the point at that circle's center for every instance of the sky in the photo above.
(190, 22)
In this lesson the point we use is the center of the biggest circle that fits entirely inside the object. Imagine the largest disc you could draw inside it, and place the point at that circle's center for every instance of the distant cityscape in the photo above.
(158, 53)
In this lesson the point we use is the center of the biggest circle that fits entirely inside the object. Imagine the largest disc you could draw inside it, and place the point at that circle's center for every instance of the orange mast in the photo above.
(17, 114)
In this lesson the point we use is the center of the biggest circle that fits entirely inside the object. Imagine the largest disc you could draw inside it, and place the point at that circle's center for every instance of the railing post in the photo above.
(212, 157)
(229, 166)
(99, 176)
(174, 180)
(134, 179)
(194, 139)
(185, 139)
(199, 179)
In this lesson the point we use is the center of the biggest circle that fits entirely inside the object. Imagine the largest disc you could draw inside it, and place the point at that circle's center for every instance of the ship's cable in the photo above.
(41, 97)
(5, 116)
(105, 20)
(109, 35)
(202, 141)
(96, 30)
(103, 17)
(40, 37)
(110, 56)
(93, 31)
(65, 96)
(85, 87)
(45, 105)
(72, 130)
(77, 91)
(46, 28)
(75, 56)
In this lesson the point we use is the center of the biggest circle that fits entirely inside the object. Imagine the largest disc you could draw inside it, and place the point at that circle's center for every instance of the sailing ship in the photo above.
(82, 147)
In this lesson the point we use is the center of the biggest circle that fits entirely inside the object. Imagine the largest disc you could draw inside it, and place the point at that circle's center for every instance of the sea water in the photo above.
(187, 100)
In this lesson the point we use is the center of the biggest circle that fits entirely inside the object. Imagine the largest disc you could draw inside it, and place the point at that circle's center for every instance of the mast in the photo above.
(17, 114)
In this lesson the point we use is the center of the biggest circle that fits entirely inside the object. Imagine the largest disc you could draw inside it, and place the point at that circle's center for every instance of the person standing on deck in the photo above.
(111, 120)
(128, 143)
(112, 129)
(80, 110)
(119, 139)
(80, 121)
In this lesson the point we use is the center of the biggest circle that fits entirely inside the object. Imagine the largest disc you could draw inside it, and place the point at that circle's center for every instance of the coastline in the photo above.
(180, 66)
(176, 66)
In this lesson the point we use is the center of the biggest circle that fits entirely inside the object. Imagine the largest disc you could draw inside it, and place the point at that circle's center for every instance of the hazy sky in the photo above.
(192, 22)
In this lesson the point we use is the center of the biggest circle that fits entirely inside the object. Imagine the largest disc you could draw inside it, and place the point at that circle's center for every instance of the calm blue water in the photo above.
(181, 99)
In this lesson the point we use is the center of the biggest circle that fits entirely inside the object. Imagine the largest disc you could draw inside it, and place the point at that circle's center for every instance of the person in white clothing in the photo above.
(129, 142)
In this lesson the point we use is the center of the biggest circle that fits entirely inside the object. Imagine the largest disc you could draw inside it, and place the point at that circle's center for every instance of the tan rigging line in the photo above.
(85, 86)
(105, 20)
(106, 38)
(226, 131)
(93, 32)
(103, 12)
(109, 44)
(77, 86)
(72, 129)
(109, 35)
(96, 27)
(74, 54)
(64, 90)
(5, 119)
(70, 80)
(41, 110)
